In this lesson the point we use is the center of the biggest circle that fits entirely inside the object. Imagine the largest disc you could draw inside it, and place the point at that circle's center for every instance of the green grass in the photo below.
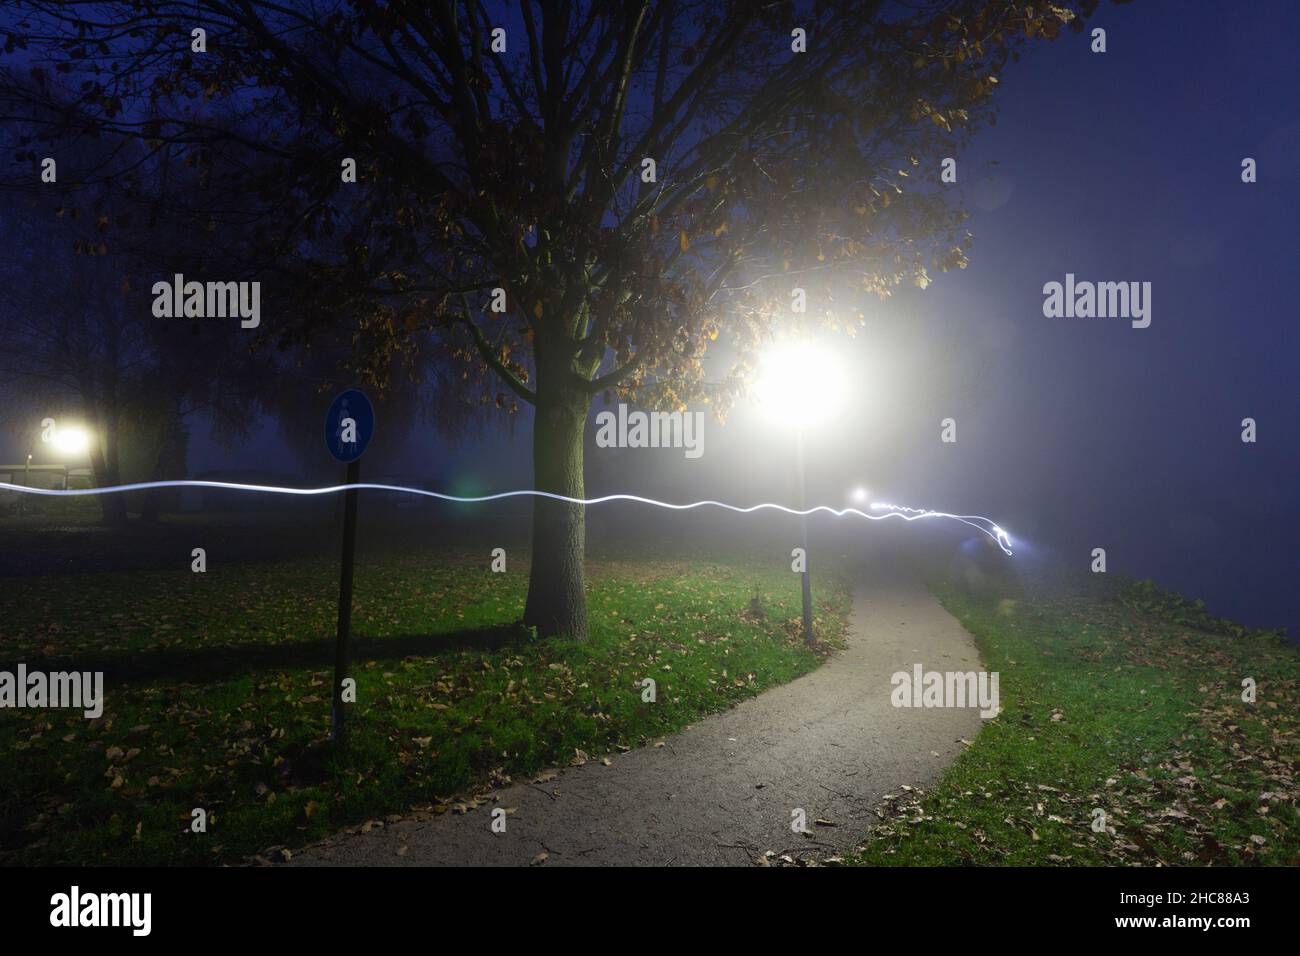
(218, 693)
(1127, 701)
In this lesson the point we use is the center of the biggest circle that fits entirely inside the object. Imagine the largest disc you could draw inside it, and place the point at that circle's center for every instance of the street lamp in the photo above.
(799, 385)
(71, 441)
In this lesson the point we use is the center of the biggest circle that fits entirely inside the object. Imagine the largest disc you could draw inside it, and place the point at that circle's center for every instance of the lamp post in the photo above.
(799, 386)
(803, 535)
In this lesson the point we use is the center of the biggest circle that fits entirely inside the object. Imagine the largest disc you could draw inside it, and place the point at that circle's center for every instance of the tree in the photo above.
(629, 182)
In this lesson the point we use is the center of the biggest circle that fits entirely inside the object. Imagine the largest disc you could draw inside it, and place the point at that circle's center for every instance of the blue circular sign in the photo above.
(349, 425)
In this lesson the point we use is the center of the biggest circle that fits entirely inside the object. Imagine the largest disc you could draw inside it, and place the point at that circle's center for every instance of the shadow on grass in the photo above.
(210, 664)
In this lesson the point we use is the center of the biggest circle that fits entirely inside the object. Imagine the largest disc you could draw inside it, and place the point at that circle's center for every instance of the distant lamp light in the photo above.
(71, 441)
(859, 495)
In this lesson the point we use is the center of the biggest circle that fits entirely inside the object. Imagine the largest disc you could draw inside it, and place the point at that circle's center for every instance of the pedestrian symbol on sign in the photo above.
(349, 425)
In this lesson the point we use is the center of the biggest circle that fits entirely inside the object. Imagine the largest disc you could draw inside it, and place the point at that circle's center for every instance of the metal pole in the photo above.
(803, 530)
(337, 728)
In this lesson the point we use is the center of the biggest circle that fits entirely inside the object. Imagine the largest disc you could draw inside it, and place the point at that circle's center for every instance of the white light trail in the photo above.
(984, 525)
(978, 522)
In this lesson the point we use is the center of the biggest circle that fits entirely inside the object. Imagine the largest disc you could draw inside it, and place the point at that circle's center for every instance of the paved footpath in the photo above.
(721, 791)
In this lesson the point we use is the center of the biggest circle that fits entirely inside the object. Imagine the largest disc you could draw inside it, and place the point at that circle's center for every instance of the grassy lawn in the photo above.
(218, 691)
(1128, 701)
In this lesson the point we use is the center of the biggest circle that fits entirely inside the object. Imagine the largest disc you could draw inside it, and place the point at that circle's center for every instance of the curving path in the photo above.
(721, 791)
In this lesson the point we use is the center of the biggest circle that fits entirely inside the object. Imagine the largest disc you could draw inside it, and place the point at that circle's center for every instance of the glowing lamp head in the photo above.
(859, 495)
(799, 383)
(71, 441)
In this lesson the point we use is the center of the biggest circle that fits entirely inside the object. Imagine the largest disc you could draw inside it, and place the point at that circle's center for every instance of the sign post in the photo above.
(349, 426)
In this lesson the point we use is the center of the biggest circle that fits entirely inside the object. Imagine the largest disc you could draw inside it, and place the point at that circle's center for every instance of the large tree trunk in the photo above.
(557, 601)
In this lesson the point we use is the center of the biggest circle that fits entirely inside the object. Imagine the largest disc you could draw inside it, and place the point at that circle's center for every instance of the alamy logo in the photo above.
(651, 430)
(1100, 300)
(208, 300)
(77, 689)
(103, 909)
(923, 688)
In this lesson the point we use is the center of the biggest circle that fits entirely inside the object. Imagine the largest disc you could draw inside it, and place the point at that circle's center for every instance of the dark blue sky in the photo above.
(1089, 433)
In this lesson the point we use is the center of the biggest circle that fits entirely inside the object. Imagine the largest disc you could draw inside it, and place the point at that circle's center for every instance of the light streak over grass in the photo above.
(984, 525)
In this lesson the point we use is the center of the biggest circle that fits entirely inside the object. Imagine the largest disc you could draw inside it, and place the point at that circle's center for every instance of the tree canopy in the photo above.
(503, 146)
